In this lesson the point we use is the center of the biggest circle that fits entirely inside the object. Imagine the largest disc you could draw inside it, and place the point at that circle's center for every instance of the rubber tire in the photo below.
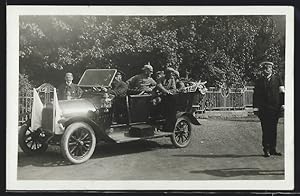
(22, 143)
(173, 139)
(64, 142)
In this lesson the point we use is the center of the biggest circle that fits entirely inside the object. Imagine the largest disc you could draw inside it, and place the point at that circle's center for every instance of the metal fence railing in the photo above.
(25, 105)
(45, 92)
(214, 99)
(232, 99)
(225, 99)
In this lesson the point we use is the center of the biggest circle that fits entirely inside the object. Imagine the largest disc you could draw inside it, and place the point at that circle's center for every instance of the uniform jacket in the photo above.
(65, 91)
(141, 83)
(119, 88)
(266, 94)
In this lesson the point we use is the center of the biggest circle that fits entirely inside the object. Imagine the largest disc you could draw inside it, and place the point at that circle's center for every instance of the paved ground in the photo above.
(220, 149)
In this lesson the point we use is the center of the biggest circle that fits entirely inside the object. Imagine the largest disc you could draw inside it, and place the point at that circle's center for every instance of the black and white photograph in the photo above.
(150, 98)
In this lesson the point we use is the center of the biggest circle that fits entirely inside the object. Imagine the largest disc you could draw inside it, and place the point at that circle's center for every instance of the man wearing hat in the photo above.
(267, 104)
(142, 82)
(167, 85)
(68, 90)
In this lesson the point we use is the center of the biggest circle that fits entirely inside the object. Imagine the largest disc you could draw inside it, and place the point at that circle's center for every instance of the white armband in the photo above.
(281, 89)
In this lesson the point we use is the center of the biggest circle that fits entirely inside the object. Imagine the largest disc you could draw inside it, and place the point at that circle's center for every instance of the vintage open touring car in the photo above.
(97, 116)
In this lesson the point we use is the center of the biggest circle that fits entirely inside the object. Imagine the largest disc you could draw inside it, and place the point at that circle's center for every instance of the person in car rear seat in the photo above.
(142, 82)
(167, 85)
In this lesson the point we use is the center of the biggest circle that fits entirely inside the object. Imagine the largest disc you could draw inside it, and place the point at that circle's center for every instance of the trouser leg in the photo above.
(265, 133)
(269, 122)
(273, 133)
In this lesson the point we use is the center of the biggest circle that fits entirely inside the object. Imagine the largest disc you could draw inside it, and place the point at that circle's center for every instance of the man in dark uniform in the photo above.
(267, 104)
(119, 90)
(119, 87)
(68, 90)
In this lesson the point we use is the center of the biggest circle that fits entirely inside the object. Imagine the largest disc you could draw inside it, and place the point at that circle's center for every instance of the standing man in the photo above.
(142, 82)
(267, 103)
(68, 90)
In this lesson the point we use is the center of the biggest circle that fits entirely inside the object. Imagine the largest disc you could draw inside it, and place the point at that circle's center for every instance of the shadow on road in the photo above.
(109, 150)
(232, 172)
(47, 159)
(53, 157)
(217, 155)
(245, 119)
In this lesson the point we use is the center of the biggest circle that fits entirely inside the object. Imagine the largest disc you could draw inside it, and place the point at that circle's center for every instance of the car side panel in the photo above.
(99, 130)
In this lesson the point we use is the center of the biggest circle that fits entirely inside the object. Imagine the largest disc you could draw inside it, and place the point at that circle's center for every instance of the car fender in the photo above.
(189, 116)
(99, 132)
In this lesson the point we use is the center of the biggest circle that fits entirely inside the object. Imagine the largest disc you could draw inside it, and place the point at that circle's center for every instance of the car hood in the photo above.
(76, 106)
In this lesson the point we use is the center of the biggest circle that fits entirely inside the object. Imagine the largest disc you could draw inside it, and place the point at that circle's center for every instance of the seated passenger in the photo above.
(142, 82)
(180, 85)
(158, 75)
(167, 83)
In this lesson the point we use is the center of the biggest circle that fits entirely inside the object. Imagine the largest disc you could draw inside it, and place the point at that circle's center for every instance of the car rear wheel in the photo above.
(78, 142)
(181, 136)
(32, 141)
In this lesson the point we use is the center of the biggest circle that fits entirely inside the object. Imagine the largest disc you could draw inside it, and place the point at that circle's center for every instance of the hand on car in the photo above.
(149, 90)
(103, 89)
(169, 93)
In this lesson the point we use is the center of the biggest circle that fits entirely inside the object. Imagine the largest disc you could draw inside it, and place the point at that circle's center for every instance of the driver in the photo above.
(142, 82)
(119, 90)
(119, 87)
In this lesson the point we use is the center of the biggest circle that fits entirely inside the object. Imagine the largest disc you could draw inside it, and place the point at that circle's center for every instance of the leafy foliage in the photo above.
(217, 49)
(24, 84)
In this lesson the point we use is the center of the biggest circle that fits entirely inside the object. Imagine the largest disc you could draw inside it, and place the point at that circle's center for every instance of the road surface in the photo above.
(220, 150)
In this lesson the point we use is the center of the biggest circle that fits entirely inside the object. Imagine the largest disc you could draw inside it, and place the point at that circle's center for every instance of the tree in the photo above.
(213, 48)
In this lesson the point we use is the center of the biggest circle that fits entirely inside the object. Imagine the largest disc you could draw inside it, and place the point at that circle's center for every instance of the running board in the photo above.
(124, 137)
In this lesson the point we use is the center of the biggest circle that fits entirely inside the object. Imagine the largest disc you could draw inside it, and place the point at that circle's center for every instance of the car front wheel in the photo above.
(32, 141)
(78, 142)
(181, 136)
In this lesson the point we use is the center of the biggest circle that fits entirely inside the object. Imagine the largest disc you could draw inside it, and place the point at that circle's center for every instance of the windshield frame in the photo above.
(112, 78)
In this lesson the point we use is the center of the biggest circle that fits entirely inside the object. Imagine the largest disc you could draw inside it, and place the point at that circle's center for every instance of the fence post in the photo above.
(243, 91)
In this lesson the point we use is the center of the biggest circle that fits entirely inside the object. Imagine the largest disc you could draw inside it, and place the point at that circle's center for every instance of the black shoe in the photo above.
(267, 153)
(275, 153)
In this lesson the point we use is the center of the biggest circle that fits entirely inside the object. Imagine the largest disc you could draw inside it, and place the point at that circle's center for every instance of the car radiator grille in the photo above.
(47, 118)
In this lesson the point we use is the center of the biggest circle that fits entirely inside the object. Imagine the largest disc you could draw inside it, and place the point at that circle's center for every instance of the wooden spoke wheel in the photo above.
(78, 142)
(32, 141)
(181, 136)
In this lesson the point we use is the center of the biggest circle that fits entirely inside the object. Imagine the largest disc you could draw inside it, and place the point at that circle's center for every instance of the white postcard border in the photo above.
(13, 13)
